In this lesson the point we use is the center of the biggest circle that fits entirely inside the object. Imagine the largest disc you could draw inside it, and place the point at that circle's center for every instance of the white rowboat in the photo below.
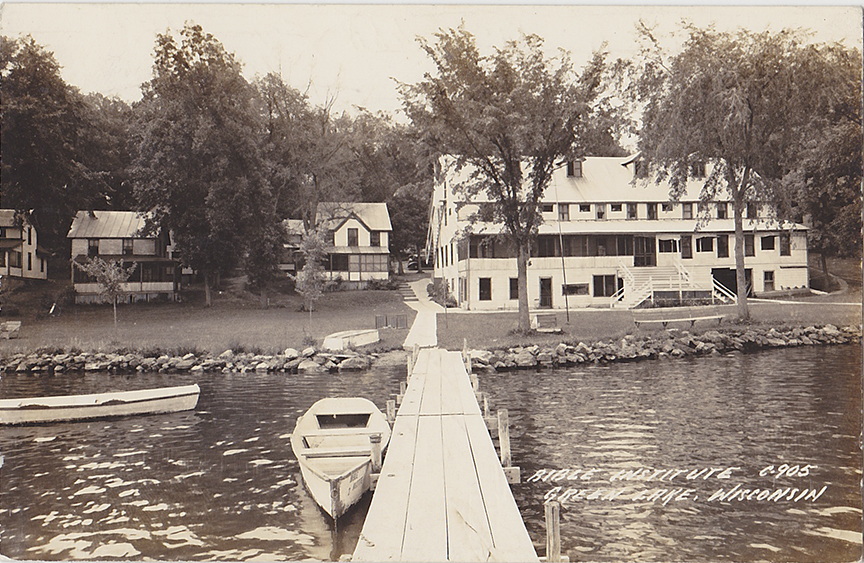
(100, 405)
(333, 442)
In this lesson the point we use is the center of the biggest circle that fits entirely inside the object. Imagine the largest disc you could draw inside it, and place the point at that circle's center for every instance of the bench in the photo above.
(10, 329)
(545, 322)
(665, 320)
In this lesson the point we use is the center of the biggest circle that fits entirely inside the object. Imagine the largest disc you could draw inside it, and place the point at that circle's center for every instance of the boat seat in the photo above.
(349, 451)
(340, 432)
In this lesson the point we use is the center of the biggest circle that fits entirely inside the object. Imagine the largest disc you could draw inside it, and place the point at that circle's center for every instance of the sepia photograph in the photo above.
(431, 282)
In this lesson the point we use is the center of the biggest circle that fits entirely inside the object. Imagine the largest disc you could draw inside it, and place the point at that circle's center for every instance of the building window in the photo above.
(375, 238)
(575, 289)
(752, 210)
(768, 243)
(722, 246)
(697, 169)
(584, 208)
(667, 245)
(616, 207)
(785, 244)
(330, 237)
(452, 254)
(15, 259)
(667, 207)
(686, 210)
(574, 169)
(652, 211)
(705, 244)
(339, 263)
(514, 288)
(547, 207)
(749, 246)
(93, 247)
(563, 211)
(632, 211)
(30, 236)
(686, 246)
(605, 286)
(601, 210)
(29, 260)
(547, 246)
(127, 246)
(640, 169)
(485, 289)
(769, 280)
(722, 210)
(352, 237)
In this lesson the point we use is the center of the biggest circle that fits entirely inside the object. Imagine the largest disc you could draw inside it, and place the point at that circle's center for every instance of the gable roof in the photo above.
(374, 216)
(107, 224)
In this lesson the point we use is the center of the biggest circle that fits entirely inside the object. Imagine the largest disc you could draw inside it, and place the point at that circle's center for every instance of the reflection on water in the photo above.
(220, 483)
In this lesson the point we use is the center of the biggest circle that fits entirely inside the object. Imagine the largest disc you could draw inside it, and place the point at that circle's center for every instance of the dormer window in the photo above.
(127, 247)
(574, 169)
(375, 238)
(353, 237)
(601, 210)
(697, 169)
(640, 169)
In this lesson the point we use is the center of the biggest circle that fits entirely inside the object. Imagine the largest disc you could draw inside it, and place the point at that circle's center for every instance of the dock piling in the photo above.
(504, 437)
(375, 440)
(391, 411)
(552, 511)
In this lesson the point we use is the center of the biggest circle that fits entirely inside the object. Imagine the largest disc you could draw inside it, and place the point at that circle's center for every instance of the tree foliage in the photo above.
(110, 275)
(46, 163)
(738, 102)
(510, 117)
(310, 280)
(198, 164)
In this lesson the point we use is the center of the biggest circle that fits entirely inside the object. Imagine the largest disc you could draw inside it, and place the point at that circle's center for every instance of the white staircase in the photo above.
(640, 284)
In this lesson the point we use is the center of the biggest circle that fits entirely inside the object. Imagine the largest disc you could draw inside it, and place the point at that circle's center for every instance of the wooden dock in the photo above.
(442, 494)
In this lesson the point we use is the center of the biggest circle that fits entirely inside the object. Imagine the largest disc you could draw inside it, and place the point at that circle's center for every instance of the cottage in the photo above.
(121, 236)
(609, 238)
(291, 257)
(20, 253)
(359, 235)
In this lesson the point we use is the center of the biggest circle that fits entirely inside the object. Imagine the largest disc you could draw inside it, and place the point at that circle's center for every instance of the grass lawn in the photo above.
(236, 320)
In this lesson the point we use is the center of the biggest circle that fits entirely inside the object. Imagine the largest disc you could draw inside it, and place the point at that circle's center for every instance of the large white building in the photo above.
(609, 239)
(20, 253)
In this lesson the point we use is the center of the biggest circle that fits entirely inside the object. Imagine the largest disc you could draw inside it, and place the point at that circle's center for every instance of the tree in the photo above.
(110, 275)
(43, 163)
(509, 118)
(198, 164)
(409, 214)
(826, 164)
(733, 101)
(310, 280)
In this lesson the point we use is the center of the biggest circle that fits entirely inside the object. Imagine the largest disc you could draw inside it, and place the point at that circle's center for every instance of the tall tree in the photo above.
(510, 118)
(729, 100)
(43, 162)
(826, 163)
(198, 163)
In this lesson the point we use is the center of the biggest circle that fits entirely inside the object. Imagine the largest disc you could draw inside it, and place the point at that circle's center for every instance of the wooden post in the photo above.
(504, 437)
(553, 531)
(466, 356)
(485, 406)
(375, 441)
(475, 381)
(410, 364)
(391, 410)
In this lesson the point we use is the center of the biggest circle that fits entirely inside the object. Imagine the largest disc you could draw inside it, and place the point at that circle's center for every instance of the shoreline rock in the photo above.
(669, 344)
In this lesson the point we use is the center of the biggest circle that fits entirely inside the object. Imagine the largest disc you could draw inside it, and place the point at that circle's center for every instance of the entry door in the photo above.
(354, 267)
(644, 252)
(546, 293)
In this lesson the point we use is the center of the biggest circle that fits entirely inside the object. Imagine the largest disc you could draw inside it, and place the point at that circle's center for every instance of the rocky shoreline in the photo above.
(668, 344)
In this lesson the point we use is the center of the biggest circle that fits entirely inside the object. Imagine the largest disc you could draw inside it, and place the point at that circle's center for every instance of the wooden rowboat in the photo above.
(338, 443)
(101, 405)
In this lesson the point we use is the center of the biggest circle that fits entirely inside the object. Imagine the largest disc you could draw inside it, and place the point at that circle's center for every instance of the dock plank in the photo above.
(469, 535)
(432, 387)
(426, 525)
(383, 532)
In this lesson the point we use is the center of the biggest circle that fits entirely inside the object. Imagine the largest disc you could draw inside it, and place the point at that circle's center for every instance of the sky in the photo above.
(354, 52)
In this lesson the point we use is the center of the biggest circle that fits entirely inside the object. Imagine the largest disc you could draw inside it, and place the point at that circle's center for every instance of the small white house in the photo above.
(360, 237)
(20, 253)
(609, 238)
(116, 236)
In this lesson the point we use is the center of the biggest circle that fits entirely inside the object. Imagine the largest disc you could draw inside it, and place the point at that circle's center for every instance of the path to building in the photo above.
(442, 494)
(424, 331)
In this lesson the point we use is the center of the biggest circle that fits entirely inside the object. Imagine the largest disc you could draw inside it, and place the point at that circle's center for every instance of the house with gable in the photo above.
(359, 238)
(20, 253)
(121, 235)
(610, 237)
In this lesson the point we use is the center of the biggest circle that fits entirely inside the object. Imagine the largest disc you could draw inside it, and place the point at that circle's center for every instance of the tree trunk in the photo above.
(207, 301)
(522, 274)
(824, 261)
(115, 310)
(740, 271)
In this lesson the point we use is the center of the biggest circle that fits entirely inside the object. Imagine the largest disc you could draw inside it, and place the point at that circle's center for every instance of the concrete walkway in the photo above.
(424, 331)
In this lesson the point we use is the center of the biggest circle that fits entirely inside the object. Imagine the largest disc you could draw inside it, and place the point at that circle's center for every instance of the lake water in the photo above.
(220, 483)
